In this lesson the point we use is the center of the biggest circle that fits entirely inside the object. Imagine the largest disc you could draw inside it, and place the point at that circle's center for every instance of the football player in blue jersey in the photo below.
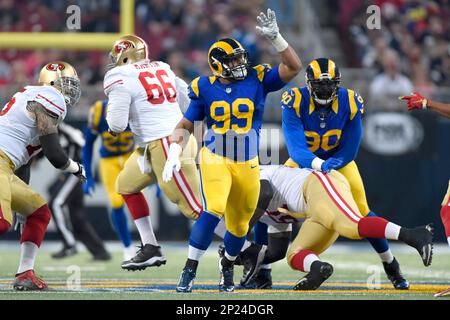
(232, 101)
(114, 152)
(322, 124)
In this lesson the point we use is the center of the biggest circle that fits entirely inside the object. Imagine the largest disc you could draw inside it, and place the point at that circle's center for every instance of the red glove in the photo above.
(415, 101)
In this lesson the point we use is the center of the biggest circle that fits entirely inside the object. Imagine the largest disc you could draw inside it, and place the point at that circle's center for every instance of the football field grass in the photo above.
(355, 266)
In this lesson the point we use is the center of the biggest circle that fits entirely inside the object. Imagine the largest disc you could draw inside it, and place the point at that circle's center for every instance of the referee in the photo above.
(66, 195)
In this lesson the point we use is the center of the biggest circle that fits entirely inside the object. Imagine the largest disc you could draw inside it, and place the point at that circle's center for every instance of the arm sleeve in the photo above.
(295, 139)
(118, 108)
(182, 94)
(350, 141)
(90, 138)
(53, 150)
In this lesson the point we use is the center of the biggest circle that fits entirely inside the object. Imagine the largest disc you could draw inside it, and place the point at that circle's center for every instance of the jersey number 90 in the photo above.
(315, 141)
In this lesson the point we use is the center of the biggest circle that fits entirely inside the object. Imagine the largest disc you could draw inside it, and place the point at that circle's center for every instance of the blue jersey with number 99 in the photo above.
(233, 112)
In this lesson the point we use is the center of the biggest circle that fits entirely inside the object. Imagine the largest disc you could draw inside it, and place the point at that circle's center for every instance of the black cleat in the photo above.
(420, 238)
(251, 259)
(147, 256)
(186, 281)
(226, 283)
(395, 275)
(65, 252)
(320, 271)
(262, 280)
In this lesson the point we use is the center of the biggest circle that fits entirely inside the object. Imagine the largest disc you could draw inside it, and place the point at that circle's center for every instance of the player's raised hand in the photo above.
(415, 101)
(173, 162)
(89, 186)
(267, 25)
(331, 164)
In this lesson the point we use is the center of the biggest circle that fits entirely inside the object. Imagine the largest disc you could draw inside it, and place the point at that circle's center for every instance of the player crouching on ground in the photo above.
(29, 124)
(330, 211)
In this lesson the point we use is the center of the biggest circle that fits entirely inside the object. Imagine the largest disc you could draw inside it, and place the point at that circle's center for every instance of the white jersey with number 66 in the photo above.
(147, 96)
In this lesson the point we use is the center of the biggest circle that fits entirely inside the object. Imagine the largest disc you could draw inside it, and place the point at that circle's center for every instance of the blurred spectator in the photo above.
(389, 85)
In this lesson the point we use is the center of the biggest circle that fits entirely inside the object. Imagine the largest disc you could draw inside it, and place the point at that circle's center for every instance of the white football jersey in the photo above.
(287, 184)
(154, 111)
(19, 137)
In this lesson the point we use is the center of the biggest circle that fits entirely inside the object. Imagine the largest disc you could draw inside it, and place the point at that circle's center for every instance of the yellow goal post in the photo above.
(71, 40)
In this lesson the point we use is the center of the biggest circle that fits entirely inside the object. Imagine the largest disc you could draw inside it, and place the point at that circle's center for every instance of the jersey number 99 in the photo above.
(223, 112)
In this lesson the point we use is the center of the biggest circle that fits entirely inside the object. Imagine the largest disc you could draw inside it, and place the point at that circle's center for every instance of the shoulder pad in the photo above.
(51, 99)
(261, 70)
(114, 77)
(356, 103)
(194, 88)
(292, 99)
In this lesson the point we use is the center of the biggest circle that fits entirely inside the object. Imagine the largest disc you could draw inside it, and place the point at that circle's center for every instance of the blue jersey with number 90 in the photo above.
(234, 111)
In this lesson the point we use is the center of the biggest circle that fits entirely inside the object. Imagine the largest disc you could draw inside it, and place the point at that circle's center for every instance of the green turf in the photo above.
(350, 266)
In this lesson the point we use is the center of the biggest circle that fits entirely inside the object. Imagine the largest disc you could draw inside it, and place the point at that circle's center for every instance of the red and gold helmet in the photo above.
(63, 77)
(128, 49)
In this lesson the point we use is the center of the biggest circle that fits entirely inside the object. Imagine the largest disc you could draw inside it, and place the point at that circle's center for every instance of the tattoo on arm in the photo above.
(47, 121)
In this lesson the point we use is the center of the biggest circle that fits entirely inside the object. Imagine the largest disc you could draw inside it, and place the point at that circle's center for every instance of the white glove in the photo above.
(268, 27)
(173, 162)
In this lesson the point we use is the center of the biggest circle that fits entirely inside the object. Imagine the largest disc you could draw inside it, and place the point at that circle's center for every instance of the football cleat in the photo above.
(27, 281)
(445, 293)
(65, 252)
(186, 281)
(251, 259)
(394, 275)
(262, 280)
(147, 256)
(226, 283)
(320, 271)
(420, 238)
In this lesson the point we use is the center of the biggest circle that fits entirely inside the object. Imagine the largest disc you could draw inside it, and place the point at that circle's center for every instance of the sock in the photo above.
(36, 225)
(445, 216)
(4, 226)
(303, 260)
(28, 252)
(145, 228)
(381, 246)
(260, 233)
(221, 228)
(233, 245)
(375, 227)
(137, 205)
(202, 232)
(386, 256)
(191, 264)
(195, 254)
(120, 223)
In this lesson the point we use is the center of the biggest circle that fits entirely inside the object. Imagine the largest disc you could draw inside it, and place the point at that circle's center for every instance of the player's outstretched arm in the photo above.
(47, 126)
(417, 101)
(88, 148)
(290, 62)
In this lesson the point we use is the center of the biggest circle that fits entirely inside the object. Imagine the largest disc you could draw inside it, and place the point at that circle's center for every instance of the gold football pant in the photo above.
(15, 195)
(183, 189)
(109, 171)
(331, 212)
(229, 189)
(351, 173)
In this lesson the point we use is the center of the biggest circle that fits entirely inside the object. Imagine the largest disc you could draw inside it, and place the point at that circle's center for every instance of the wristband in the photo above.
(316, 164)
(73, 167)
(279, 43)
